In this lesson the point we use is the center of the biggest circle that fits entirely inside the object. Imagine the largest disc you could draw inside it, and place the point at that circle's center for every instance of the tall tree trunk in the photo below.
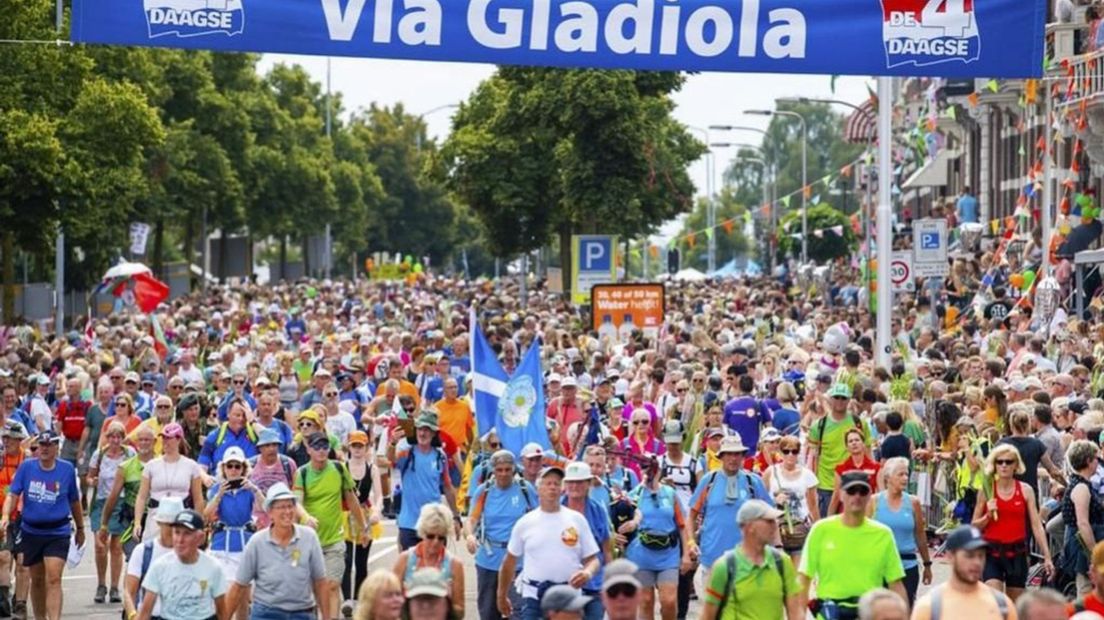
(7, 248)
(283, 257)
(223, 250)
(189, 250)
(306, 256)
(159, 248)
(565, 258)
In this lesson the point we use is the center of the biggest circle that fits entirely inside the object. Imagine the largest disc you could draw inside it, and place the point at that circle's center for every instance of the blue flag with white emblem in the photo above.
(488, 379)
(513, 406)
(519, 418)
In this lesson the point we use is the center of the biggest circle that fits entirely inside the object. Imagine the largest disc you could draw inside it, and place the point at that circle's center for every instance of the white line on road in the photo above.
(382, 552)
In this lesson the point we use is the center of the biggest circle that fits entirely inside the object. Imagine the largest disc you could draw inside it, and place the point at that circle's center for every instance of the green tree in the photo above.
(536, 152)
(823, 248)
(781, 150)
(729, 245)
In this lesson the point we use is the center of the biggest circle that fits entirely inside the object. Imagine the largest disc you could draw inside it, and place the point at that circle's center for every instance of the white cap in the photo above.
(577, 471)
(233, 454)
(569, 381)
(532, 449)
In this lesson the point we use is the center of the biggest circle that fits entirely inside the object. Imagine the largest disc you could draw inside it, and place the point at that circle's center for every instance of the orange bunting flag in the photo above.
(1031, 90)
(846, 171)
(808, 191)
(728, 226)
(1082, 123)
(1068, 184)
(1075, 167)
(1041, 144)
(931, 124)
(1083, 106)
(972, 98)
(1077, 147)
(690, 240)
(653, 251)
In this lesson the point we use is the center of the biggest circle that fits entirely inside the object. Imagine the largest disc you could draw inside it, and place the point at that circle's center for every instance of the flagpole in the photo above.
(883, 354)
(471, 355)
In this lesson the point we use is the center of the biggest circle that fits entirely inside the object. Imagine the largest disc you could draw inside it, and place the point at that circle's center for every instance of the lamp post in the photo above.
(774, 176)
(804, 173)
(766, 172)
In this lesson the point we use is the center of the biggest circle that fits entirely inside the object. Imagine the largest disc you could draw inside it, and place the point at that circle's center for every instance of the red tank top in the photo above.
(1011, 524)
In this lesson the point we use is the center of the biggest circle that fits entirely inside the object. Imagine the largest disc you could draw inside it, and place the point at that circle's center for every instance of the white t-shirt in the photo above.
(551, 545)
(186, 591)
(134, 564)
(171, 479)
(341, 424)
(191, 375)
(796, 489)
(41, 414)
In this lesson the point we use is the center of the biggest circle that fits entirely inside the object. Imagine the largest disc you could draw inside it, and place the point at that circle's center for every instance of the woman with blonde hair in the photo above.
(109, 528)
(902, 514)
(434, 525)
(1004, 510)
(381, 597)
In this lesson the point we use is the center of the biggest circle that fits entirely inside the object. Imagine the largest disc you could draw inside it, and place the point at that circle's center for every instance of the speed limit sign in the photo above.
(900, 272)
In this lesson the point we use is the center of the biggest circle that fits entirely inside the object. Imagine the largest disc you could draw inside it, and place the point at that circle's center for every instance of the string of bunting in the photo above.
(845, 171)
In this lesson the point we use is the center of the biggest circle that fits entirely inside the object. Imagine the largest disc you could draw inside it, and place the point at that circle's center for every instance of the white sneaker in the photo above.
(347, 609)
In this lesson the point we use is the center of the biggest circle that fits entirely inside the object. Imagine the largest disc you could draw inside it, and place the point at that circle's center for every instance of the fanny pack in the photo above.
(836, 609)
(658, 541)
(543, 586)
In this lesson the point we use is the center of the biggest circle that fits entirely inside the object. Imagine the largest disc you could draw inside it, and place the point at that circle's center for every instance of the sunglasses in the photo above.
(233, 466)
(640, 422)
(1005, 462)
(494, 446)
(330, 394)
(682, 390)
(164, 407)
(790, 451)
(408, 409)
(305, 424)
(122, 403)
(858, 491)
(438, 537)
(839, 398)
(34, 448)
(621, 590)
(236, 382)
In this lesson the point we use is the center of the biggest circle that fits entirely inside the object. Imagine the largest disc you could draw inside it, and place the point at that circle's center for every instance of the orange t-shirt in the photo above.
(9, 464)
(456, 420)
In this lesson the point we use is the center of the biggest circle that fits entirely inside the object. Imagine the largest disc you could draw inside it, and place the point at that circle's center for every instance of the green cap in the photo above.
(840, 389)
(427, 419)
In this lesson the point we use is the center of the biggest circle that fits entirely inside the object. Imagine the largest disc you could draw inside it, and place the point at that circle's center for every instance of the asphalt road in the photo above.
(80, 583)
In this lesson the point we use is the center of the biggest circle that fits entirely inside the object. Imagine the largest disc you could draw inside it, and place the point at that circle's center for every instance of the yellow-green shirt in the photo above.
(758, 591)
(848, 562)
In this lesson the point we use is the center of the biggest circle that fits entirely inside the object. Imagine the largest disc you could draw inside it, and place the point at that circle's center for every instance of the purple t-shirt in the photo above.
(744, 415)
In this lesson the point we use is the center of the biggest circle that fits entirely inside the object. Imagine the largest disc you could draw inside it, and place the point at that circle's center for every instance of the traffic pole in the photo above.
(882, 220)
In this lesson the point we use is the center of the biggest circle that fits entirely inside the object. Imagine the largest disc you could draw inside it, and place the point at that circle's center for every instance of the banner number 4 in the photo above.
(950, 15)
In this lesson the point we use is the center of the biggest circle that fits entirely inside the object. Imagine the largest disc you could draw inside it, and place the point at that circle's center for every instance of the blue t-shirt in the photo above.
(501, 510)
(719, 532)
(234, 511)
(598, 520)
(623, 478)
(745, 415)
(434, 390)
(423, 479)
(786, 421)
(968, 209)
(46, 496)
(283, 430)
(658, 512)
(211, 452)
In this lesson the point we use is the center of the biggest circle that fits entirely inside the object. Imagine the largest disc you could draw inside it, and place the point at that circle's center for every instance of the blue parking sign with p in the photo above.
(595, 254)
(929, 241)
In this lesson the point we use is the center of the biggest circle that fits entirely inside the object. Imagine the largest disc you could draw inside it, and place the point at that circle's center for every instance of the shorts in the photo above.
(229, 561)
(652, 578)
(333, 556)
(37, 548)
(115, 525)
(1010, 568)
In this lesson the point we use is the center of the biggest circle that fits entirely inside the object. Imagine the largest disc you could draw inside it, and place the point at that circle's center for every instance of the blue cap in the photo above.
(267, 436)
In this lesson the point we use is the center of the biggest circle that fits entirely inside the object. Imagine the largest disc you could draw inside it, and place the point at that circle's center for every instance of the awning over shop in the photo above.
(934, 172)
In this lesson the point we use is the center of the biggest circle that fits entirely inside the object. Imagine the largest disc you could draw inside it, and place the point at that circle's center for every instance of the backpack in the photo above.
(341, 469)
(667, 467)
(937, 602)
(730, 585)
(442, 464)
(709, 487)
(856, 421)
(286, 462)
(481, 503)
(147, 559)
(221, 437)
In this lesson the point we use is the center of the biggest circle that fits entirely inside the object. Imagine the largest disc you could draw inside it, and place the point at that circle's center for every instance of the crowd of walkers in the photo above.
(238, 456)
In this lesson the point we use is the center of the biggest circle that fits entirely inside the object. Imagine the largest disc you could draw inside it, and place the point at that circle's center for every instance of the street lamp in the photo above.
(710, 206)
(807, 100)
(768, 173)
(804, 173)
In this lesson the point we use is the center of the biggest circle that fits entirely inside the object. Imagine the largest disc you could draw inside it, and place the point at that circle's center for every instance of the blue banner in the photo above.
(951, 38)
(488, 379)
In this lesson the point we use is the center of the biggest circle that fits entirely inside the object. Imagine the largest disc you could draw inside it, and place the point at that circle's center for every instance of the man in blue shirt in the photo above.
(745, 414)
(423, 469)
(717, 499)
(497, 504)
(51, 496)
(967, 207)
(238, 383)
(233, 432)
(577, 483)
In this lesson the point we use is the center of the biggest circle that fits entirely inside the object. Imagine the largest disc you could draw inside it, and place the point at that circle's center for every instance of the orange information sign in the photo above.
(617, 309)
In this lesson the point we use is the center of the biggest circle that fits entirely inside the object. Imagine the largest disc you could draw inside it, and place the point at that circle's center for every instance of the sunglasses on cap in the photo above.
(858, 490)
(621, 590)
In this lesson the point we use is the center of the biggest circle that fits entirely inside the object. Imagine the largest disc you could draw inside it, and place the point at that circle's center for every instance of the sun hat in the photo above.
(618, 572)
(732, 443)
(563, 598)
(755, 509)
(577, 471)
(233, 454)
(839, 389)
(278, 492)
(172, 429)
(427, 582)
(167, 510)
(268, 436)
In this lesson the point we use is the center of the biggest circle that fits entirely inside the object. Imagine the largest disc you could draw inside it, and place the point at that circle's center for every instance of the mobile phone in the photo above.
(235, 484)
